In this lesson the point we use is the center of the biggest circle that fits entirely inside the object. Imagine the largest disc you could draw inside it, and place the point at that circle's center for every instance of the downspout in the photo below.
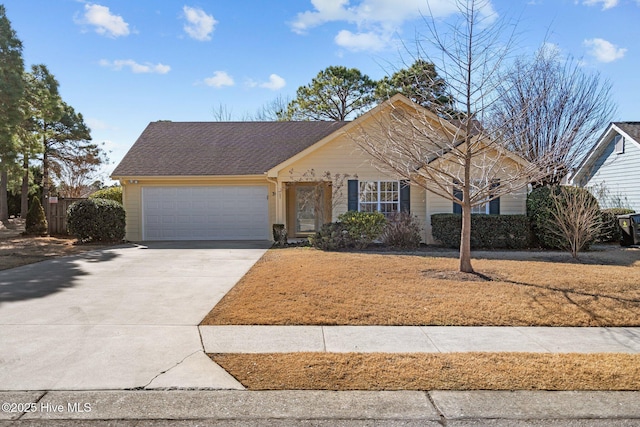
(279, 216)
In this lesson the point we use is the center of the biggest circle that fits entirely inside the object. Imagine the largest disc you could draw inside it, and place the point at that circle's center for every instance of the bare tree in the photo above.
(549, 107)
(222, 113)
(576, 218)
(273, 111)
(458, 159)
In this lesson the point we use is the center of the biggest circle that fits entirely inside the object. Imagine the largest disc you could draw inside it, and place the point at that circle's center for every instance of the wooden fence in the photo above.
(57, 215)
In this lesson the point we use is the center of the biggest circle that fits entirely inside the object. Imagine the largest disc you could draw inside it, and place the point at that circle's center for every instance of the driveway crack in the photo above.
(167, 370)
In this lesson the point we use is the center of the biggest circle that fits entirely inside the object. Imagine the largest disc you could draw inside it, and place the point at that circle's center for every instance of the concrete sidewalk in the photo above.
(420, 339)
(321, 408)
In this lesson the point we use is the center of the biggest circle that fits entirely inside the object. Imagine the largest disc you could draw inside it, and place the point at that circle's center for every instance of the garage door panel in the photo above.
(205, 213)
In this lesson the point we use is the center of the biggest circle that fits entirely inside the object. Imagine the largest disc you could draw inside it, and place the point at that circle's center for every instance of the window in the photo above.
(379, 196)
(492, 207)
(618, 141)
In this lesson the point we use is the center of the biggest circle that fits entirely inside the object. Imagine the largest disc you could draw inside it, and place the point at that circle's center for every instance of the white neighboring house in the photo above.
(611, 169)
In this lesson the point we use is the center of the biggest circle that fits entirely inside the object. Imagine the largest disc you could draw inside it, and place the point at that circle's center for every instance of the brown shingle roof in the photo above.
(218, 148)
(631, 128)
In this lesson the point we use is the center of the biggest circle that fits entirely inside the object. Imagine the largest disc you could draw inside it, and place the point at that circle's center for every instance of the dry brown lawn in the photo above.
(17, 250)
(302, 286)
(452, 371)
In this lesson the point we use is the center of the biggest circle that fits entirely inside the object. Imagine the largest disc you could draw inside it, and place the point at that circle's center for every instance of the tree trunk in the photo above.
(465, 239)
(24, 192)
(4, 207)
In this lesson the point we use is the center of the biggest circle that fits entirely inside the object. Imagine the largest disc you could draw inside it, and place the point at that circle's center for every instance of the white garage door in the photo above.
(205, 213)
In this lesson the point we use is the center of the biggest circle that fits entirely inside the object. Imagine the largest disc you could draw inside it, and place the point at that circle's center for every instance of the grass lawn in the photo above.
(303, 286)
(454, 371)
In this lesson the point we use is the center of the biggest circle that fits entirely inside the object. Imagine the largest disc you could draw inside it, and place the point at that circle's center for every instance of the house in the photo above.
(611, 169)
(232, 181)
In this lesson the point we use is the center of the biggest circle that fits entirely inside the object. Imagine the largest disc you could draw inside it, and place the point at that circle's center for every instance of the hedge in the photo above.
(111, 193)
(96, 220)
(487, 231)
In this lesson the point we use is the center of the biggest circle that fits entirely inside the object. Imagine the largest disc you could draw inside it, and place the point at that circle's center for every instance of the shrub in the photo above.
(402, 231)
(363, 227)
(543, 207)
(487, 231)
(610, 231)
(96, 220)
(36, 221)
(110, 193)
(576, 218)
(279, 235)
(331, 237)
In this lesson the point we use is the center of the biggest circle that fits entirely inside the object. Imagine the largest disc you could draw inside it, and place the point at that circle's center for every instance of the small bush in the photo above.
(36, 221)
(487, 231)
(279, 235)
(96, 220)
(109, 193)
(541, 208)
(402, 231)
(363, 227)
(610, 229)
(331, 237)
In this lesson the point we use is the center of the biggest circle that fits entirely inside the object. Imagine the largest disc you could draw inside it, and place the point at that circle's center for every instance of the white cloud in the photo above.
(199, 25)
(376, 20)
(361, 41)
(603, 50)
(219, 79)
(275, 82)
(606, 4)
(136, 67)
(104, 21)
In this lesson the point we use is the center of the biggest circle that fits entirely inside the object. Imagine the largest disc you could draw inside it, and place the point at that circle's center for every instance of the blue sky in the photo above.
(124, 63)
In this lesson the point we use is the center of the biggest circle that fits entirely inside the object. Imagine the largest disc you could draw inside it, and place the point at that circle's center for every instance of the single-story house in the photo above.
(234, 180)
(611, 169)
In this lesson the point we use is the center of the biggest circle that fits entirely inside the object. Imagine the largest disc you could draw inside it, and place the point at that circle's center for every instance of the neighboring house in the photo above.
(611, 169)
(233, 180)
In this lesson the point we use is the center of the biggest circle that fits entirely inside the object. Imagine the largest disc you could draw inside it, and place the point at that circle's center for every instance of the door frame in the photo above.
(291, 206)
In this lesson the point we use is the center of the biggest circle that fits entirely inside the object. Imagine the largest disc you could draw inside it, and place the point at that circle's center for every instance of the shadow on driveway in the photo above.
(47, 277)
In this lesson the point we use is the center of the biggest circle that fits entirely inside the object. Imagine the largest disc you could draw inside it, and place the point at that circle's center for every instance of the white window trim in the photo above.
(378, 202)
(618, 142)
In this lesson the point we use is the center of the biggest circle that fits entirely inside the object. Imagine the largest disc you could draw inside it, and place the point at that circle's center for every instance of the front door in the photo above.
(307, 208)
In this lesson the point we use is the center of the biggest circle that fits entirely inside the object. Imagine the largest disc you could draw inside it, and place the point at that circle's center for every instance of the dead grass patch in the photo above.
(21, 250)
(302, 286)
(452, 371)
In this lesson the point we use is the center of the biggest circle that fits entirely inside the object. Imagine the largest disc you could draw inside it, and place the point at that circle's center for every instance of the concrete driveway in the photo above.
(119, 318)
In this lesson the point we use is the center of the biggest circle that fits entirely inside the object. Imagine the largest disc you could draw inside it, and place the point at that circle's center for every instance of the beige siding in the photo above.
(342, 156)
(132, 196)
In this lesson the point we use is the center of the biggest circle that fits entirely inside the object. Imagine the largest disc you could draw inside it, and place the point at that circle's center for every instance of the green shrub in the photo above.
(36, 221)
(363, 227)
(540, 206)
(610, 229)
(487, 231)
(110, 193)
(331, 237)
(402, 231)
(96, 220)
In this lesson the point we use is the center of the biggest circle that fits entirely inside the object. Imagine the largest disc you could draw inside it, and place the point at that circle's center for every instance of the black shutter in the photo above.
(352, 197)
(494, 205)
(405, 196)
(457, 193)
